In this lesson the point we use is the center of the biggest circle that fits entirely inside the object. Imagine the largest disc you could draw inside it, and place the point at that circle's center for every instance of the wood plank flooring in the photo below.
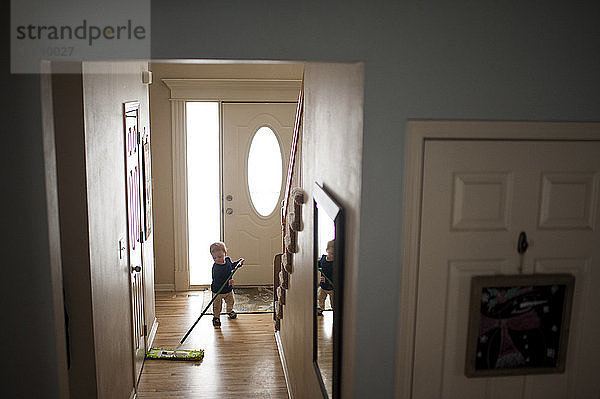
(240, 360)
(325, 349)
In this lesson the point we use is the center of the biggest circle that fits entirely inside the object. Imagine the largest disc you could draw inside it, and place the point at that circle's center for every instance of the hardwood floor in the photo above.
(240, 360)
(325, 349)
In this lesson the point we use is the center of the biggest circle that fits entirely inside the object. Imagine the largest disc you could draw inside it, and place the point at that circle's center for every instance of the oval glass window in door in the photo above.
(264, 171)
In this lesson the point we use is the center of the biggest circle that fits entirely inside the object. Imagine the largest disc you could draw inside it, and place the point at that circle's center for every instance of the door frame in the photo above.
(217, 90)
(417, 133)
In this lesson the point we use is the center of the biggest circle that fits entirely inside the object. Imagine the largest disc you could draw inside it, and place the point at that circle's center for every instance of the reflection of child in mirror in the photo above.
(221, 270)
(325, 265)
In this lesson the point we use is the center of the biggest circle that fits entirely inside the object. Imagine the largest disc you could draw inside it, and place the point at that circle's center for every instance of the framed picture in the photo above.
(147, 190)
(518, 324)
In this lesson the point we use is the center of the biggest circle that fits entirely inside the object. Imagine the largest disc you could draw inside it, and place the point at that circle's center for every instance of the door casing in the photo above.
(220, 90)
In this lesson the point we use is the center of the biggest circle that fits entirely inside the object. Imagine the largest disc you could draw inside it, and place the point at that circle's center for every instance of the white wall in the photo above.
(331, 148)
(457, 60)
(331, 156)
(106, 86)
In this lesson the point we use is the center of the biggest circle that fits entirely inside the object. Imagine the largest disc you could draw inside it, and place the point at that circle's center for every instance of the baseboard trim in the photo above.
(152, 334)
(164, 287)
(283, 363)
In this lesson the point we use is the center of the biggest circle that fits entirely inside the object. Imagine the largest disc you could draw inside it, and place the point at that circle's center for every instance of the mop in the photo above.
(326, 278)
(187, 354)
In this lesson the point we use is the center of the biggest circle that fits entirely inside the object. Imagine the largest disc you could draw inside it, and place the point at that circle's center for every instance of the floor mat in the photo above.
(247, 300)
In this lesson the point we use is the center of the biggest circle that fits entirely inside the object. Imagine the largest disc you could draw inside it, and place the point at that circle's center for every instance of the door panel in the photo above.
(567, 239)
(477, 197)
(246, 233)
(134, 231)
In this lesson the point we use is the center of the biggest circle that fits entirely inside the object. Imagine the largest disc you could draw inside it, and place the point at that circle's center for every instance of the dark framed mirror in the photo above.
(328, 271)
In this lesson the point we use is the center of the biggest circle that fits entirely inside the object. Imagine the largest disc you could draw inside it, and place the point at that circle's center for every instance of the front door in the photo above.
(134, 230)
(477, 197)
(256, 146)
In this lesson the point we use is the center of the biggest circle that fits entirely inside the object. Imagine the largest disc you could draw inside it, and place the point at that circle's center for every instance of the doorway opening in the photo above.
(254, 184)
(230, 142)
(235, 160)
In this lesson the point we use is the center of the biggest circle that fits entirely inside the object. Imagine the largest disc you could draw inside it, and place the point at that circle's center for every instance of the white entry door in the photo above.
(477, 197)
(256, 147)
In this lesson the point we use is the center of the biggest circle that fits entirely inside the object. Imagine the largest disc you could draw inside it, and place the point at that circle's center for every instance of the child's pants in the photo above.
(218, 303)
(321, 295)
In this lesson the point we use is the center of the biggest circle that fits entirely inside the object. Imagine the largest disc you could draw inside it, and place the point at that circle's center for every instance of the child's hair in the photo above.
(217, 247)
(330, 244)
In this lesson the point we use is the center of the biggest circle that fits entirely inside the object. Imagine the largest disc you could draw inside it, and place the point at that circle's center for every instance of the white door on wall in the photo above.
(477, 197)
(135, 230)
(256, 146)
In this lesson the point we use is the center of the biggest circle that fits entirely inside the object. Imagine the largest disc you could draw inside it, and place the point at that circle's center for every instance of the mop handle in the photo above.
(327, 278)
(211, 301)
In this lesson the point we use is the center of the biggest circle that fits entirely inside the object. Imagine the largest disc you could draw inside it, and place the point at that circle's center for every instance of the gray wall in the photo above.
(30, 355)
(456, 60)
(74, 225)
(459, 60)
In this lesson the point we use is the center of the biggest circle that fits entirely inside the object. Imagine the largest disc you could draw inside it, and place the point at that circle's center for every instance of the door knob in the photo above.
(229, 211)
(136, 269)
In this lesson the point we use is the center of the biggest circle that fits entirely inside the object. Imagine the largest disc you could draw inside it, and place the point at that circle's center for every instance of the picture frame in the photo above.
(518, 324)
(147, 189)
(326, 206)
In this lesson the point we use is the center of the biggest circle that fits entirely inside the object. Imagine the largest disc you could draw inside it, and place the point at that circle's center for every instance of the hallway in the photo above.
(241, 358)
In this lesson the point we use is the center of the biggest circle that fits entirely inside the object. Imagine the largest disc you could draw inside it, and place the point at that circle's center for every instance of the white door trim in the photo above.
(180, 205)
(182, 90)
(234, 89)
(417, 132)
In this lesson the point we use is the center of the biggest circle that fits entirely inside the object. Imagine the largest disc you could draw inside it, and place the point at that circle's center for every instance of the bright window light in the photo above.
(326, 232)
(264, 171)
(204, 222)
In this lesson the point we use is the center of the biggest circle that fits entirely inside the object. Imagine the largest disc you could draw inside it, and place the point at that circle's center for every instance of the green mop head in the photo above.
(175, 354)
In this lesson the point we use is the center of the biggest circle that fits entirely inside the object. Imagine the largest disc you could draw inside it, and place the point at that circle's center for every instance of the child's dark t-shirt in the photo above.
(220, 273)
(327, 267)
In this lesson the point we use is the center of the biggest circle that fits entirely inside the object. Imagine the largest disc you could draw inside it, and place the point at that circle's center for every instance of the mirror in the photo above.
(328, 271)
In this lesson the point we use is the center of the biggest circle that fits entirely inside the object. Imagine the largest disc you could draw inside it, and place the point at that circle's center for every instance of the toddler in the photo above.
(326, 284)
(221, 271)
